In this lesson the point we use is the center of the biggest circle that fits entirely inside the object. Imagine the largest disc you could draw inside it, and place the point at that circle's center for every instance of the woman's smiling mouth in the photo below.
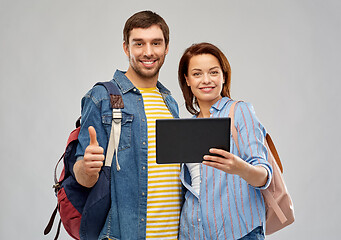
(207, 89)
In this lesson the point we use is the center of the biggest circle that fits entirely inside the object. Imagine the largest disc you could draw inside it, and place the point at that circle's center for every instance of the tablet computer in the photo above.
(188, 140)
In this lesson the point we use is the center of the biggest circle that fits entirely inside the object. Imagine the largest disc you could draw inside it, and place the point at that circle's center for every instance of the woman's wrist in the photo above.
(254, 175)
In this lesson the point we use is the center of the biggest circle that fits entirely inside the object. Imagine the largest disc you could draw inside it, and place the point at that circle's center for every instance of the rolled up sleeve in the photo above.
(251, 137)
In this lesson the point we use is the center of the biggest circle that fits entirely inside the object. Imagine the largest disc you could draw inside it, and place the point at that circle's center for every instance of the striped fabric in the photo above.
(227, 208)
(164, 186)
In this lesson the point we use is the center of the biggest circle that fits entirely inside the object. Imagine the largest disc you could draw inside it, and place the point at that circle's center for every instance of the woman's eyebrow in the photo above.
(199, 69)
(214, 67)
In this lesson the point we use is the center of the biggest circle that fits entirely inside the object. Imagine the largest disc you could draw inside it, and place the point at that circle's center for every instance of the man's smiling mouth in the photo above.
(148, 63)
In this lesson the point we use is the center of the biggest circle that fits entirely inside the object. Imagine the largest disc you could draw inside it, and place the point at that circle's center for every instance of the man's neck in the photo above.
(139, 81)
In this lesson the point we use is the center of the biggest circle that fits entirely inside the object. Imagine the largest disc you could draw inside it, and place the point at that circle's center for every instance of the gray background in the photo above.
(285, 61)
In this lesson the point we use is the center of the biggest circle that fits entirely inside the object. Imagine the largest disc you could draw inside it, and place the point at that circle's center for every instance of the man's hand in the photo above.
(93, 156)
(87, 169)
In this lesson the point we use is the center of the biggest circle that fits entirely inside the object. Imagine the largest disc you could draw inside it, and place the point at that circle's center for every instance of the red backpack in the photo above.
(83, 211)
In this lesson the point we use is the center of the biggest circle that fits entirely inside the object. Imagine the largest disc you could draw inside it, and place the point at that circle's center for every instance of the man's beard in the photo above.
(146, 74)
(143, 73)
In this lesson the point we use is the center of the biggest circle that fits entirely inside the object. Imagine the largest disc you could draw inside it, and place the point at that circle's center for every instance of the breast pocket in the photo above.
(126, 129)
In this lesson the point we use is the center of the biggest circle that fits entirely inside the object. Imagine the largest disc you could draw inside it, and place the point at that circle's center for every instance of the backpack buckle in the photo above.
(116, 115)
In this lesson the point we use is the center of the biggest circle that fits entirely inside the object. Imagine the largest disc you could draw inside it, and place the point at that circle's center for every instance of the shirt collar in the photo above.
(221, 103)
(123, 82)
(126, 85)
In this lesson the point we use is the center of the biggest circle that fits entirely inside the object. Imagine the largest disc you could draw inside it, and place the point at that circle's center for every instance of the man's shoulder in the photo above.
(97, 93)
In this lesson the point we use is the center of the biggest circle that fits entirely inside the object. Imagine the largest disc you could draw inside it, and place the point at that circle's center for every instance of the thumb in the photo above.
(92, 134)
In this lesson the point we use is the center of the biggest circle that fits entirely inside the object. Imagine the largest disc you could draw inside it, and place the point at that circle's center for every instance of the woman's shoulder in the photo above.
(242, 105)
(243, 110)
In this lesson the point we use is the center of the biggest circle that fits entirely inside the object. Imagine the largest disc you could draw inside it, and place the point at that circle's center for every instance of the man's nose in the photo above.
(148, 50)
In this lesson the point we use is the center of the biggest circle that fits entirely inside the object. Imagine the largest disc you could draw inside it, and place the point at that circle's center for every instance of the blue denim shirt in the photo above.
(127, 216)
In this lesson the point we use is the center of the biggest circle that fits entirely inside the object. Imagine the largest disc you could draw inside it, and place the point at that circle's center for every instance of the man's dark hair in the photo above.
(145, 19)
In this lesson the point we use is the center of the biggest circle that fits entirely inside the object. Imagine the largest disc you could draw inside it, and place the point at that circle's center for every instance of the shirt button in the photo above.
(143, 120)
(134, 89)
(144, 143)
(142, 219)
(144, 168)
(199, 220)
(143, 194)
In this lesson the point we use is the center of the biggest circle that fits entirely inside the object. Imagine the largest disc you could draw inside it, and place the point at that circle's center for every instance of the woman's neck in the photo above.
(204, 111)
(205, 107)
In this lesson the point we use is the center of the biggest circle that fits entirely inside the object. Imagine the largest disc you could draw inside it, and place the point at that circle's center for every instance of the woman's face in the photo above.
(205, 78)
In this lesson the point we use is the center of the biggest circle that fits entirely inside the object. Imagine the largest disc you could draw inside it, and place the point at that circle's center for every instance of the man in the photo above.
(145, 197)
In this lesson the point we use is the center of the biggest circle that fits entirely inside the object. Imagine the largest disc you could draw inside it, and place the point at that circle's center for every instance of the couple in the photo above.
(221, 196)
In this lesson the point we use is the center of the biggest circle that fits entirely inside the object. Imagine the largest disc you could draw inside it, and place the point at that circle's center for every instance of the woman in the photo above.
(223, 198)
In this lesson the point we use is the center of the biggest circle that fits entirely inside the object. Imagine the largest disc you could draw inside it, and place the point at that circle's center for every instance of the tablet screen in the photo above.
(188, 140)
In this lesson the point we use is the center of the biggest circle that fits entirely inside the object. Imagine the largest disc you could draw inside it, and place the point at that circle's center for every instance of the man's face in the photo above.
(146, 51)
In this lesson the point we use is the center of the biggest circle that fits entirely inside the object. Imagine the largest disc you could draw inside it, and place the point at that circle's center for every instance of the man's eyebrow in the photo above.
(137, 39)
(158, 39)
(153, 40)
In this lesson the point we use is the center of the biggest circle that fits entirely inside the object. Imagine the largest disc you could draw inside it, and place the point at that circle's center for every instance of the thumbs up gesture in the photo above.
(92, 135)
(86, 170)
(93, 156)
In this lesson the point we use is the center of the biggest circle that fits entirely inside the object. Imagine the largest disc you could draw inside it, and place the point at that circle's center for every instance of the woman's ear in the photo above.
(186, 80)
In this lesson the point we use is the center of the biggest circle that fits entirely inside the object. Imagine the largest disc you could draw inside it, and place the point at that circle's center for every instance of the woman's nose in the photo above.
(206, 78)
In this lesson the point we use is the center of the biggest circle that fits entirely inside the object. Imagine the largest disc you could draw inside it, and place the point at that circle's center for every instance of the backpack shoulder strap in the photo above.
(274, 151)
(117, 104)
(268, 139)
(233, 128)
(116, 100)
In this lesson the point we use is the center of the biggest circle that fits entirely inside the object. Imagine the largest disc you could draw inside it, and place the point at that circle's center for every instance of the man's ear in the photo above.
(126, 48)
(167, 48)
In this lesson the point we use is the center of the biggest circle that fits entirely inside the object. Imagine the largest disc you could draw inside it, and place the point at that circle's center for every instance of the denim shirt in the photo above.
(127, 216)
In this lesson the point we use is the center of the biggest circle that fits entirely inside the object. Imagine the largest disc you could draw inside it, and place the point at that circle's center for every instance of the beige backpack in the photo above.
(278, 203)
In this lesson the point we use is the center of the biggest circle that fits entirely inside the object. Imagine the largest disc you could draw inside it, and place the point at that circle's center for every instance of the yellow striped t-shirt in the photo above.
(164, 187)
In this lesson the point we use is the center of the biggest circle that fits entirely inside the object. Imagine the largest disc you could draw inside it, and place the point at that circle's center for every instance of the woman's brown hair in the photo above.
(199, 49)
